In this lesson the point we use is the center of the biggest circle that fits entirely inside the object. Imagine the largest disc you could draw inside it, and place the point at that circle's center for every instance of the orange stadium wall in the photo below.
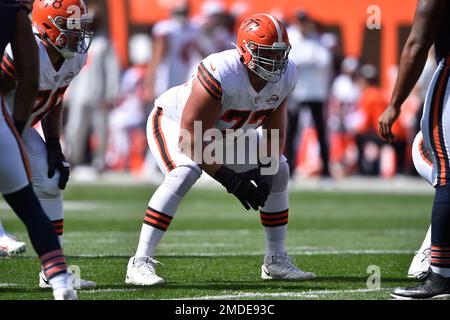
(347, 18)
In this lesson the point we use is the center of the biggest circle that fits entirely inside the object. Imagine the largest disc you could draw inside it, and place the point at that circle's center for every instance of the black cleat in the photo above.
(434, 287)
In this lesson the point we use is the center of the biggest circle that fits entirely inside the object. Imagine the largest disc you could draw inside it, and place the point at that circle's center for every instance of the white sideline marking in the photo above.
(109, 290)
(243, 232)
(6, 285)
(252, 253)
(306, 294)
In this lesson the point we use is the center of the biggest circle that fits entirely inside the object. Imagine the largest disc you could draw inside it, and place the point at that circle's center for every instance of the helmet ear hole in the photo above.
(48, 27)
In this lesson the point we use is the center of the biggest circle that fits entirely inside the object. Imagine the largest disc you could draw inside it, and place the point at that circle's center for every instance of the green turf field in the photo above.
(214, 248)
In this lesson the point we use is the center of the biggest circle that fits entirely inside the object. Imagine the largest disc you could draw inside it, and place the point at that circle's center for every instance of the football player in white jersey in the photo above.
(243, 88)
(173, 50)
(63, 38)
(15, 176)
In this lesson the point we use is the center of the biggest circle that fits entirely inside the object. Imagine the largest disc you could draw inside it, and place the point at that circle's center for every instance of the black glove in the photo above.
(241, 186)
(263, 182)
(56, 161)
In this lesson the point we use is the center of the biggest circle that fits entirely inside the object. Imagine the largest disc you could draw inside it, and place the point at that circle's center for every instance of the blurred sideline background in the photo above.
(346, 74)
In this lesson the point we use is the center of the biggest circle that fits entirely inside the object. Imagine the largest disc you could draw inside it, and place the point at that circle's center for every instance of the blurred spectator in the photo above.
(215, 26)
(92, 94)
(371, 105)
(127, 120)
(344, 96)
(174, 43)
(313, 62)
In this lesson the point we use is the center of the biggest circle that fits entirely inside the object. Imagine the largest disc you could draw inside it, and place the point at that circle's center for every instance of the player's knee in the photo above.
(422, 159)
(281, 178)
(181, 179)
(46, 188)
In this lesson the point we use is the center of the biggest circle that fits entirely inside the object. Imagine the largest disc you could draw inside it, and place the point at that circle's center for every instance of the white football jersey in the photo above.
(225, 77)
(181, 40)
(52, 83)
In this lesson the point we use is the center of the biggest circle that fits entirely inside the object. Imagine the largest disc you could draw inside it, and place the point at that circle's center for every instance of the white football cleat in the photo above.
(10, 246)
(77, 283)
(420, 265)
(141, 271)
(65, 294)
(282, 267)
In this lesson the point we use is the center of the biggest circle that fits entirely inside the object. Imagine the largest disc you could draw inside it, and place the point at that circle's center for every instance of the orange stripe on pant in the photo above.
(161, 141)
(437, 130)
(422, 153)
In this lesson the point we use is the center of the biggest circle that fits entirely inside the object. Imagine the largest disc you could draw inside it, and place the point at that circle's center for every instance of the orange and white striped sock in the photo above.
(59, 228)
(53, 208)
(440, 260)
(53, 263)
(153, 229)
(275, 227)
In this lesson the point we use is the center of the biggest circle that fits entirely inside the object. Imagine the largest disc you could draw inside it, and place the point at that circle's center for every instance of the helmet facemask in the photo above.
(76, 35)
(268, 62)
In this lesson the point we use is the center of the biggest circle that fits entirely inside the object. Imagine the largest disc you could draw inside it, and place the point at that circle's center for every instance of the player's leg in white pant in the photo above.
(274, 217)
(9, 182)
(181, 173)
(160, 212)
(423, 163)
(47, 191)
(422, 159)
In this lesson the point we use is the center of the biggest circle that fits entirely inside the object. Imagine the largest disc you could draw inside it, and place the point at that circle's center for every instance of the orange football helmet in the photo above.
(263, 43)
(63, 24)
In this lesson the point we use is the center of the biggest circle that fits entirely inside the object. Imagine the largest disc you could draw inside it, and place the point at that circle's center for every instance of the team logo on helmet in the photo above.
(63, 24)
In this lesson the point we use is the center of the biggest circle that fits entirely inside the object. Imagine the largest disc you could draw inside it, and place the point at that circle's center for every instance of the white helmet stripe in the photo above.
(277, 26)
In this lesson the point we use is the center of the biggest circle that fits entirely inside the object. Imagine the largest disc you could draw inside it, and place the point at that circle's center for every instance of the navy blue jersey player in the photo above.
(431, 27)
(15, 184)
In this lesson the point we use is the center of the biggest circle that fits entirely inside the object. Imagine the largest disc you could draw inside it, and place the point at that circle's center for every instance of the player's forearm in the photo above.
(196, 154)
(275, 128)
(27, 67)
(413, 59)
(52, 124)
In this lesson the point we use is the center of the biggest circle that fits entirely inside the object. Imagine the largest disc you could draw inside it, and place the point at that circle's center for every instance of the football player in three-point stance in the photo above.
(15, 176)
(244, 88)
(431, 26)
(63, 37)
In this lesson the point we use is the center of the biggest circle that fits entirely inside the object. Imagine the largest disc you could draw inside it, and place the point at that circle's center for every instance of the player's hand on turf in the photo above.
(241, 186)
(57, 161)
(386, 121)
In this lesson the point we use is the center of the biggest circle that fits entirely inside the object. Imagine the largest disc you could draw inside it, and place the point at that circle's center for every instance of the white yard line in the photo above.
(108, 290)
(7, 285)
(252, 253)
(242, 232)
(305, 294)
(239, 295)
